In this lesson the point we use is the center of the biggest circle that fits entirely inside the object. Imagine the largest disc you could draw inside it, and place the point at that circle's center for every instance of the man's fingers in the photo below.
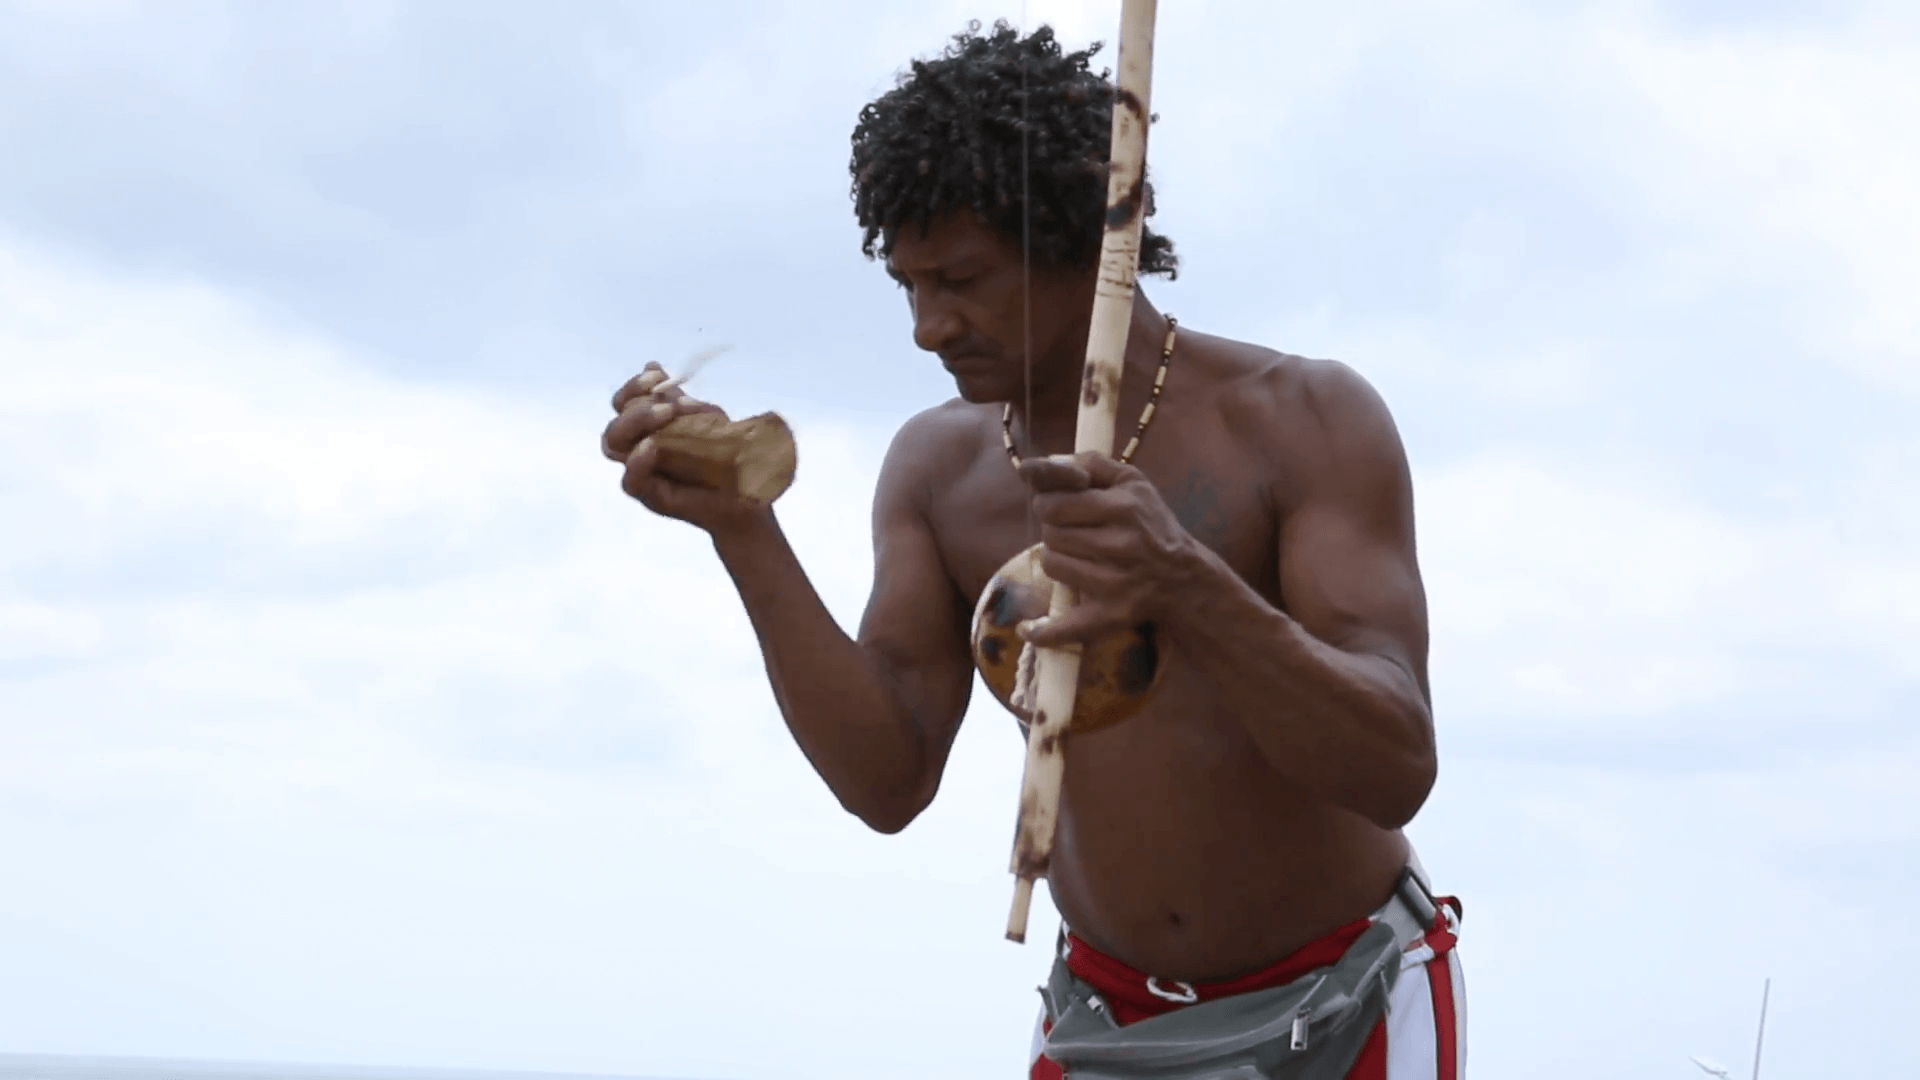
(640, 419)
(1083, 574)
(645, 416)
(667, 496)
(638, 479)
(655, 492)
(640, 385)
(1080, 509)
(1102, 471)
(1080, 625)
(1075, 472)
(1053, 474)
(651, 383)
(1106, 547)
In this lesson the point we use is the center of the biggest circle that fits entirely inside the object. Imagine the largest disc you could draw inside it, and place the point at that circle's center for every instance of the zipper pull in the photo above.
(1300, 1029)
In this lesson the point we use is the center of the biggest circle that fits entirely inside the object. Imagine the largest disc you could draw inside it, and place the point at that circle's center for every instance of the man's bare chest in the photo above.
(985, 517)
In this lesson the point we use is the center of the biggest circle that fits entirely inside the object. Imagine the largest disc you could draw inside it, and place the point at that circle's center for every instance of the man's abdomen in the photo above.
(1181, 852)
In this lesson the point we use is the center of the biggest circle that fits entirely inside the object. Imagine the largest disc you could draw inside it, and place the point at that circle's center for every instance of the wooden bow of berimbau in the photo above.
(1056, 671)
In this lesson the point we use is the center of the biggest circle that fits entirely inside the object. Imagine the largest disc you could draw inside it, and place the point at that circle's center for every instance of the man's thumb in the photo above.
(1102, 471)
(1047, 632)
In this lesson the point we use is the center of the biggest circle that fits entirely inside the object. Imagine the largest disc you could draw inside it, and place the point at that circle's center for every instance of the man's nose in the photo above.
(935, 324)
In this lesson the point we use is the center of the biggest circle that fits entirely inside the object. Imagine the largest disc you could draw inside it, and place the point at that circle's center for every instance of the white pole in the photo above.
(1057, 670)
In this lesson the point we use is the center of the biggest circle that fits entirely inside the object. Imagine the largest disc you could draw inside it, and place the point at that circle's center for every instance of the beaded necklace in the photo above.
(1146, 414)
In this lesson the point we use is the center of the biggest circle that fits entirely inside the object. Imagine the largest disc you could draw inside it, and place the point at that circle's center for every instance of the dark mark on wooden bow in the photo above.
(1090, 386)
(1122, 214)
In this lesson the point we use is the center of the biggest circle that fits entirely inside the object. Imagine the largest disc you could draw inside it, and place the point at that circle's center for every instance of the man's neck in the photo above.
(1055, 402)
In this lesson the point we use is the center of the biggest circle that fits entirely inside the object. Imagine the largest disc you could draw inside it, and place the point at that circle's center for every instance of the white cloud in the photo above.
(1805, 143)
(39, 633)
(1591, 599)
(541, 660)
(1618, 922)
(286, 516)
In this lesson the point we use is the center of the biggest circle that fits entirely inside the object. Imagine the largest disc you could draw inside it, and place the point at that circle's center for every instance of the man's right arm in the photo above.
(876, 716)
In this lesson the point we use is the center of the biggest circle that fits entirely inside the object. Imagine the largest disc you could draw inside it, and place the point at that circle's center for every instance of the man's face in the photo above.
(969, 297)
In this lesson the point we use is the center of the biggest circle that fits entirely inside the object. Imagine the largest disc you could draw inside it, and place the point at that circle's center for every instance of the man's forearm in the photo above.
(1351, 729)
(847, 719)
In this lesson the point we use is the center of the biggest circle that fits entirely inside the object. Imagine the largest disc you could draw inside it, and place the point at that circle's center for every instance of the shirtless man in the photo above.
(1244, 828)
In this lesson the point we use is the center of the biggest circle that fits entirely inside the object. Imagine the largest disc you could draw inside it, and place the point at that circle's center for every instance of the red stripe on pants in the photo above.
(1445, 1023)
(1045, 1068)
(1372, 1062)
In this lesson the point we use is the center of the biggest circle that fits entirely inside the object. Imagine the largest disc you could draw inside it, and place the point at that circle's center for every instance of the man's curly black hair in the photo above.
(948, 136)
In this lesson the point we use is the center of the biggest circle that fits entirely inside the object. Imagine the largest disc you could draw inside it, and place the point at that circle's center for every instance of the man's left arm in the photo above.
(1334, 688)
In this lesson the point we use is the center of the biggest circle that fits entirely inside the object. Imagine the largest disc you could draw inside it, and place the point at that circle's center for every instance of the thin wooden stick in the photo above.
(1058, 669)
(694, 363)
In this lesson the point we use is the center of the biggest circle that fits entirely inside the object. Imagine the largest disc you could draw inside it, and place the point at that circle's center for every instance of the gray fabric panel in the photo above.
(1247, 1036)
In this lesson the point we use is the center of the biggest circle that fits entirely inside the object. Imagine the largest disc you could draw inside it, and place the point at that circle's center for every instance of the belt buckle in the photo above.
(1186, 996)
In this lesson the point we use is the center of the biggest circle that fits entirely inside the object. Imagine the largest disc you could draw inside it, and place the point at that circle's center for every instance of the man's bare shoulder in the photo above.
(933, 447)
(1288, 398)
(1308, 419)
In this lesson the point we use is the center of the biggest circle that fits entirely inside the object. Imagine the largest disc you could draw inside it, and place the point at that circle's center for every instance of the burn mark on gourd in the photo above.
(1001, 608)
(993, 649)
(1136, 667)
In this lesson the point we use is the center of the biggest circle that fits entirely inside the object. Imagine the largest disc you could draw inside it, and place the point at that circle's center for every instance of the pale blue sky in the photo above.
(348, 713)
